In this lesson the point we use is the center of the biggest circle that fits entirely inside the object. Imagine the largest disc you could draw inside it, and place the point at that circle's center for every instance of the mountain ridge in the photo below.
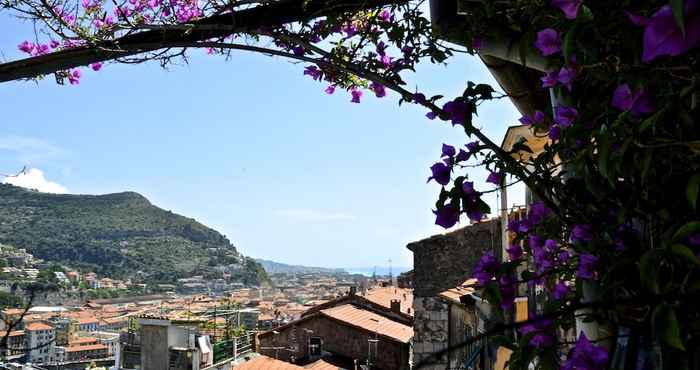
(118, 234)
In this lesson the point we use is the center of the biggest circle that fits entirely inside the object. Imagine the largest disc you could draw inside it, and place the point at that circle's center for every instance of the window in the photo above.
(315, 346)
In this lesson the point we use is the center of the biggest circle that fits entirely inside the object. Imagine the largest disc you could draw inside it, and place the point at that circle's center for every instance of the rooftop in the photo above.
(384, 295)
(370, 321)
(34, 326)
(266, 363)
(454, 294)
(92, 347)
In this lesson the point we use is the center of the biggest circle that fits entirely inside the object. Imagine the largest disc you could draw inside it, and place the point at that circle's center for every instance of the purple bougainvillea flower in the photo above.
(554, 132)
(565, 116)
(475, 215)
(26, 46)
(381, 48)
(585, 355)
(550, 79)
(694, 240)
(524, 226)
(662, 36)
(356, 95)
(314, 72)
(548, 42)
(514, 252)
(473, 146)
(330, 89)
(462, 156)
(540, 329)
(586, 266)
(419, 98)
(560, 290)
(431, 115)
(566, 76)
(54, 44)
(639, 102)
(513, 226)
(74, 77)
(298, 50)
(441, 173)
(447, 216)
(96, 66)
(535, 241)
(581, 233)
(477, 42)
(495, 178)
(468, 187)
(551, 245)
(350, 30)
(536, 119)
(486, 268)
(457, 111)
(448, 150)
(378, 89)
(538, 212)
(569, 7)
(385, 15)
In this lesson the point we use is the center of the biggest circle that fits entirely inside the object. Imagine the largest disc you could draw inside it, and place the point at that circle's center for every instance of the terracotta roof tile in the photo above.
(34, 326)
(384, 295)
(266, 363)
(454, 294)
(92, 347)
(322, 365)
(370, 321)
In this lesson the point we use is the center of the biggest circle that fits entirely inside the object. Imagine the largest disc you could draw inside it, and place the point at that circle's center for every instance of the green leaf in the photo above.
(648, 270)
(684, 252)
(677, 8)
(691, 191)
(665, 326)
(684, 231)
(569, 44)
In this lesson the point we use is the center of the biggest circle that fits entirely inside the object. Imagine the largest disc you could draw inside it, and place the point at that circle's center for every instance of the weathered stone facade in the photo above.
(442, 262)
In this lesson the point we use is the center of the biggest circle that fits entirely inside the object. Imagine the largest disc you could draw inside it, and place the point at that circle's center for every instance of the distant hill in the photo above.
(281, 268)
(119, 235)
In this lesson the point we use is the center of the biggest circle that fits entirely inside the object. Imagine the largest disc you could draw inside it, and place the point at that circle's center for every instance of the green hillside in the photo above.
(119, 235)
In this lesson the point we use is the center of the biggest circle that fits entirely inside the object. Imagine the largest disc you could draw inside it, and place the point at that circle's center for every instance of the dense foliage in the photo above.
(611, 241)
(116, 235)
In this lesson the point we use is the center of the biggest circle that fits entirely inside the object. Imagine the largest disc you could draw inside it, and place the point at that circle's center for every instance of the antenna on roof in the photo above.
(391, 274)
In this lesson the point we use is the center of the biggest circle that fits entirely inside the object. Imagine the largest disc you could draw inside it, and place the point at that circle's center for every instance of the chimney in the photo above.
(353, 290)
(396, 305)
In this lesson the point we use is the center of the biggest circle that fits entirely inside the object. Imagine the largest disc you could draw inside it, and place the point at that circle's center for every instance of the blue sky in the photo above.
(249, 147)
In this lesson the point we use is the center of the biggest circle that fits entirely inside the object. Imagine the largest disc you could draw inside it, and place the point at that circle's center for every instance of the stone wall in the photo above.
(442, 262)
(445, 261)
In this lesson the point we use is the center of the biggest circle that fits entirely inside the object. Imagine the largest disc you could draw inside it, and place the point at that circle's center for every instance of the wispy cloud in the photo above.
(31, 150)
(306, 214)
(34, 179)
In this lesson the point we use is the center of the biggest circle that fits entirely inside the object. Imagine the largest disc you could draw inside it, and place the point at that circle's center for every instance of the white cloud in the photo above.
(305, 214)
(34, 179)
(31, 150)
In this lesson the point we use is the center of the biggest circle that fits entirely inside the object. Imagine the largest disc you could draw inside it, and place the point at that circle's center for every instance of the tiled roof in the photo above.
(323, 365)
(16, 333)
(454, 294)
(384, 295)
(92, 347)
(88, 320)
(266, 363)
(34, 326)
(370, 321)
(83, 340)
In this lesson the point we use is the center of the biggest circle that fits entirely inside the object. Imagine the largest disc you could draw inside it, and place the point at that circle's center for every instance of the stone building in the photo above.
(441, 263)
(342, 331)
